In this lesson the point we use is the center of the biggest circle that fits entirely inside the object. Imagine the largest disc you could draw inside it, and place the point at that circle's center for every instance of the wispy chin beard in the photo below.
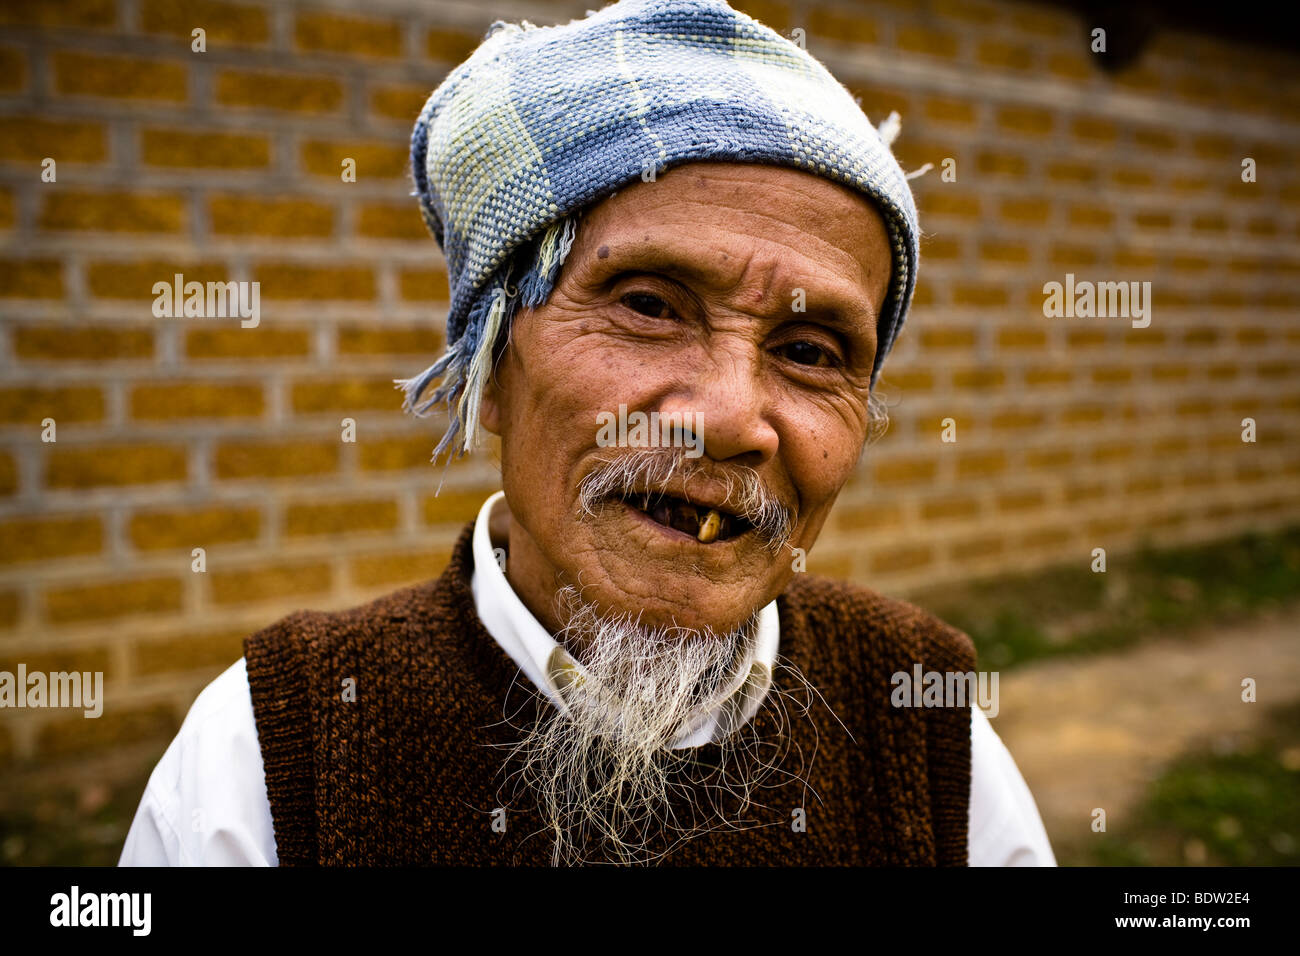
(604, 775)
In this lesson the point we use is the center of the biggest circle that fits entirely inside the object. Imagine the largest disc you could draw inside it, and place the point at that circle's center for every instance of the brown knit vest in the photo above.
(410, 771)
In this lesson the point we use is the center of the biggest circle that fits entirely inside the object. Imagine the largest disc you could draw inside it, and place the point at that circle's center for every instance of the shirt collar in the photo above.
(543, 660)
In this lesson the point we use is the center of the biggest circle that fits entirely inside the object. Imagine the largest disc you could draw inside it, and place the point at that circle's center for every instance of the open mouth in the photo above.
(705, 525)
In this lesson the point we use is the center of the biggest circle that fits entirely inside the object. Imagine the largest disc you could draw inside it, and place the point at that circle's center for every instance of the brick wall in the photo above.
(226, 165)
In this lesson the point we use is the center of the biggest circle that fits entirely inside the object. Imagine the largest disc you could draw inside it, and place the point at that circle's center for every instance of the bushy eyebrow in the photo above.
(839, 308)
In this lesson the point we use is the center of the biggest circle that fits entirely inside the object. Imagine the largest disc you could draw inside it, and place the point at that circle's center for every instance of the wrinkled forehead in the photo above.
(705, 222)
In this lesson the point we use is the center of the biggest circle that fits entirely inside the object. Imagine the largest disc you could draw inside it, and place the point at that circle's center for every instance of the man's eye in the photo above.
(648, 304)
(805, 353)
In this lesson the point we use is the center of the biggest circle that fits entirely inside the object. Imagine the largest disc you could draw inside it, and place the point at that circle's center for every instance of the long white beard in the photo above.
(603, 775)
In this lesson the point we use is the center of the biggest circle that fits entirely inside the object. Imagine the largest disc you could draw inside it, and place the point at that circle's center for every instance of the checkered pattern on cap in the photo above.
(539, 122)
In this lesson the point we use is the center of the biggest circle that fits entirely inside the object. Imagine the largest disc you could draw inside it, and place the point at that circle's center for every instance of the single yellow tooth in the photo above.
(710, 527)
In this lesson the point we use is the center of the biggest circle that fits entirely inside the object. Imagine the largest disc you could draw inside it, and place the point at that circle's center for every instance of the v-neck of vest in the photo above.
(501, 681)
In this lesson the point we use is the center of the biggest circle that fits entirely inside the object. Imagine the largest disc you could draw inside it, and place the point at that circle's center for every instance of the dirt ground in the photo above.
(1094, 732)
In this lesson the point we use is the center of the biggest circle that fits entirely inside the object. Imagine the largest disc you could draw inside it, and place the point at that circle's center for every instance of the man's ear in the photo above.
(489, 408)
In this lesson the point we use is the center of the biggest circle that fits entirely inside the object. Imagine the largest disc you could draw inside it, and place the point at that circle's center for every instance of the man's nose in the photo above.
(731, 407)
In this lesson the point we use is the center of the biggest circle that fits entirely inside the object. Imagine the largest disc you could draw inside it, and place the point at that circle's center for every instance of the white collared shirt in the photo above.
(205, 803)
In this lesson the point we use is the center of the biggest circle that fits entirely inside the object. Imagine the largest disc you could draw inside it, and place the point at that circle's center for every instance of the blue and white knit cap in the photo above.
(541, 122)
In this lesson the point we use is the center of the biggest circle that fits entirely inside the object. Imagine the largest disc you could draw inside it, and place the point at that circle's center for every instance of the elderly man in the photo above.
(679, 254)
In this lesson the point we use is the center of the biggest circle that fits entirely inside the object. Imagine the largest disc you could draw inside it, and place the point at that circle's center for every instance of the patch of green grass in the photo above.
(1238, 807)
(1073, 610)
(70, 826)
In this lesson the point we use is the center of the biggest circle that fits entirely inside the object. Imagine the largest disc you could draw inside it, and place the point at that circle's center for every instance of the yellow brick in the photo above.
(972, 464)
(955, 507)
(80, 343)
(1112, 451)
(772, 13)
(275, 459)
(95, 602)
(1031, 209)
(453, 507)
(44, 538)
(978, 295)
(980, 546)
(49, 662)
(399, 102)
(31, 279)
(842, 27)
(345, 396)
(1070, 65)
(123, 211)
(998, 163)
(1091, 216)
(1048, 458)
(918, 39)
(1132, 177)
(169, 655)
(285, 281)
(1071, 255)
(1078, 414)
(945, 202)
(13, 70)
(374, 160)
(226, 24)
(1153, 219)
(911, 379)
(362, 515)
(60, 14)
(1020, 501)
(196, 400)
(1029, 120)
(248, 216)
(114, 279)
(1010, 56)
(29, 405)
(879, 100)
(903, 558)
(1017, 338)
(1071, 171)
(394, 569)
(391, 221)
(1095, 129)
(1016, 419)
(114, 465)
(424, 285)
(179, 148)
(995, 250)
(902, 471)
(1079, 492)
(87, 74)
(388, 340)
(396, 454)
(269, 582)
(192, 528)
(27, 139)
(1164, 141)
(871, 517)
(118, 726)
(320, 32)
(940, 337)
(264, 342)
(450, 46)
(934, 247)
(978, 377)
(279, 91)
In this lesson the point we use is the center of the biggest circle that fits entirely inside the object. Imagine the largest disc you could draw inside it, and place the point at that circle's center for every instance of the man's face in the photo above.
(740, 297)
